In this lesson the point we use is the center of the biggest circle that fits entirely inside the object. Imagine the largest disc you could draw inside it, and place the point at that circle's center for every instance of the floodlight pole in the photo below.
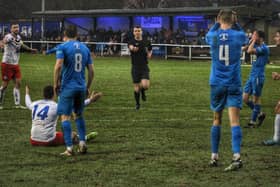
(43, 20)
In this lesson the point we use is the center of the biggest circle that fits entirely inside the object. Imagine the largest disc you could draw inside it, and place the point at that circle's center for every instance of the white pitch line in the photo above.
(268, 66)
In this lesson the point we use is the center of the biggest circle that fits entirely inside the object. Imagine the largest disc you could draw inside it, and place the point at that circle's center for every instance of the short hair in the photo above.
(261, 34)
(48, 92)
(226, 15)
(13, 23)
(137, 27)
(71, 31)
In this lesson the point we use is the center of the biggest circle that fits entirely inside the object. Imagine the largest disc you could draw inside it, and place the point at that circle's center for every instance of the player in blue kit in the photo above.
(72, 57)
(226, 39)
(254, 84)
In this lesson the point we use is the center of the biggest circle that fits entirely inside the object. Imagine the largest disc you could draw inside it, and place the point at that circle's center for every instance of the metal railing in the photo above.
(166, 51)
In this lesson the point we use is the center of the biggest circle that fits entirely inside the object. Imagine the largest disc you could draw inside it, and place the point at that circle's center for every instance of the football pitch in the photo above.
(166, 143)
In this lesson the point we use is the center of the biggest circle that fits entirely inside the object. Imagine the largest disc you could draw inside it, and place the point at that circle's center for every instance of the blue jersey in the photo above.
(52, 50)
(225, 52)
(76, 57)
(258, 66)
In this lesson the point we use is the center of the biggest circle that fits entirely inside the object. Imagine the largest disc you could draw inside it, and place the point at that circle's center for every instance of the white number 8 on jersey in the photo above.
(78, 62)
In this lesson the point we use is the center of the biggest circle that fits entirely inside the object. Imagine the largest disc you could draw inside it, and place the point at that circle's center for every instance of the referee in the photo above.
(141, 51)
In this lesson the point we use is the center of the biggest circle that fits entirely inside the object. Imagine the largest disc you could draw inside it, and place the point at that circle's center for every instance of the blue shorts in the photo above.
(225, 96)
(254, 86)
(71, 101)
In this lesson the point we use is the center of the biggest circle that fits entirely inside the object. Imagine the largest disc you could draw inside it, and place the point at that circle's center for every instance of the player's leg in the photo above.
(67, 134)
(137, 86)
(236, 139)
(79, 120)
(64, 109)
(234, 103)
(218, 98)
(215, 138)
(16, 91)
(6, 77)
(257, 91)
(145, 83)
(2, 91)
(246, 94)
(256, 110)
(276, 137)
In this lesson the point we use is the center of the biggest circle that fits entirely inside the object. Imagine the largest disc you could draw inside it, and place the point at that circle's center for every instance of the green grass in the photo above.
(166, 143)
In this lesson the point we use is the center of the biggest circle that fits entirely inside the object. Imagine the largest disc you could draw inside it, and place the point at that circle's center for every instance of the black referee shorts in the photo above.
(140, 73)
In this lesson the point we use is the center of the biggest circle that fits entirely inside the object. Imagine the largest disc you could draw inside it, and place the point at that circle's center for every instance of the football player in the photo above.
(255, 82)
(44, 118)
(225, 82)
(72, 58)
(10, 64)
(140, 51)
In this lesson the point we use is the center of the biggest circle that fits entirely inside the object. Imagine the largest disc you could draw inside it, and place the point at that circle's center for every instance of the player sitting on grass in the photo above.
(44, 119)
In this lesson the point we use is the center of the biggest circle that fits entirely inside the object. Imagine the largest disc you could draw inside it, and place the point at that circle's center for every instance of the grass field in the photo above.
(166, 143)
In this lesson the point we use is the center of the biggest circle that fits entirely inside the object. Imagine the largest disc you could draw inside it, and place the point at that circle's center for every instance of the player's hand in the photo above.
(275, 76)
(234, 17)
(27, 90)
(34, 51)
(94, 96)
(56, 89)
(135, 49)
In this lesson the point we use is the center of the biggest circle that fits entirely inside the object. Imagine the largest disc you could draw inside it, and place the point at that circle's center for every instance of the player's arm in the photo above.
(236, 25)
(251, 49)
(90, 76)
(244, 48)
(1, 44)
(28, 101)
(50, 51)
(56, 75)
(94, 96)
(149, 50)
(132, 48)
(215, 27)
(24, 46)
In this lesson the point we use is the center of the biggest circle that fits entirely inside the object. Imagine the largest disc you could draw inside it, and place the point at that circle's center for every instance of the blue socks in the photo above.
(250, 104)
(215, 138)
(236, 138)
(67, 133)
(256, 111)
(81, 126)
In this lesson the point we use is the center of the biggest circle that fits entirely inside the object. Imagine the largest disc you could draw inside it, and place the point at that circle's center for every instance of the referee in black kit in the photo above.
(141, 51)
